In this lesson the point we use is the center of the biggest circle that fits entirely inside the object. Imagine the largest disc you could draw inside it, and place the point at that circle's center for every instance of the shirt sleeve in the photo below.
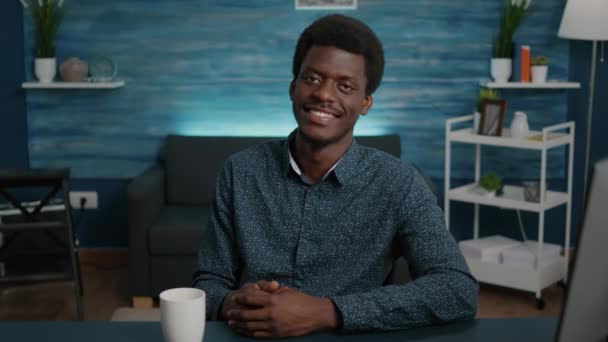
(443, 290)
(217, 257)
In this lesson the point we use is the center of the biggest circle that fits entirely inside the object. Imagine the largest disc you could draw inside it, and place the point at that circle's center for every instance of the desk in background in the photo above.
(495, 330)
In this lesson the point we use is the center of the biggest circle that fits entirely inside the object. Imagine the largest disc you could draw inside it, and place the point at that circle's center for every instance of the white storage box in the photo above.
(525, 256)
(487, 249)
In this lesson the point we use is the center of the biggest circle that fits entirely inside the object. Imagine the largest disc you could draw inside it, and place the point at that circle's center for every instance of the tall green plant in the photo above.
(47, 15)
(514, 13)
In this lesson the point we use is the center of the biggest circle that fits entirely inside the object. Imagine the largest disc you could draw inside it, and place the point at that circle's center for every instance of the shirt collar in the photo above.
(343, 169)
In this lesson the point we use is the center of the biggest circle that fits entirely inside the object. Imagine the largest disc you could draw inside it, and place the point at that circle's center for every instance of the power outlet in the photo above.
(89, 196)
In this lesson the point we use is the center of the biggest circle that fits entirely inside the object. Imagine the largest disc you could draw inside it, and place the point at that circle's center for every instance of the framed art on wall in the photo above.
(325, 4)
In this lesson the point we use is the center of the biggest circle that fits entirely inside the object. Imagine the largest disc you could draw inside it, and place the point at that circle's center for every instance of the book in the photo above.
(516, 55)
(525, 64)
(539, 137)
(487, 249)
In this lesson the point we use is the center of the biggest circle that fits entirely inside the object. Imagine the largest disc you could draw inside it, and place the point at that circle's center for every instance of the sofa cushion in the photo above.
(193, 164)
(178, 230)
(390, 144)
(171, 271)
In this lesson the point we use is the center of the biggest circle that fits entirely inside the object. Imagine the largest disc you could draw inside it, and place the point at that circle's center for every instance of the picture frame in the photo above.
(326, 4)
(492, 117)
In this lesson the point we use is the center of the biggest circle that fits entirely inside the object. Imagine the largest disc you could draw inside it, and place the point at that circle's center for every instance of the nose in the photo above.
(325, 92)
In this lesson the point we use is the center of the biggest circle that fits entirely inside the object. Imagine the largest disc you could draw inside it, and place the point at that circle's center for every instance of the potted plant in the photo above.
(46, 16)
(491, 183)
(513, 15)
(484, 94)
(540, 67)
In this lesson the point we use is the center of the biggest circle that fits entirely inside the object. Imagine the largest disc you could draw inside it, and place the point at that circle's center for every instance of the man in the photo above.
(301, 231)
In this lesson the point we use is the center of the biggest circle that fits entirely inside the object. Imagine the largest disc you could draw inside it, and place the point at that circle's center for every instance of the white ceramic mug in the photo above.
(182, 314)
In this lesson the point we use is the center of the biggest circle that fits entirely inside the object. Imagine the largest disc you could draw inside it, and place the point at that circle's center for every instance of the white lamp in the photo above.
(586, 20)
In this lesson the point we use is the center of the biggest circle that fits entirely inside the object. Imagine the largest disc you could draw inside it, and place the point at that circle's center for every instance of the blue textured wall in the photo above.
(223, 68)
(80, 123)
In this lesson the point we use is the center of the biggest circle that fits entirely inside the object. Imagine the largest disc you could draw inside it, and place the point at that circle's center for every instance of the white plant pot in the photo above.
(481, 191)
(539, 73)
(490, 194)
(500, 69)
(45, 69)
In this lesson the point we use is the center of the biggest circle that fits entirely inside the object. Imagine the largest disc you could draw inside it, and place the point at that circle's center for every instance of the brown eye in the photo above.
(311, 79)
(345, 88)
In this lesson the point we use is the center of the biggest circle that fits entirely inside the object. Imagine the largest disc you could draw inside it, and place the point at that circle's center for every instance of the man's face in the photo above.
(329, 94)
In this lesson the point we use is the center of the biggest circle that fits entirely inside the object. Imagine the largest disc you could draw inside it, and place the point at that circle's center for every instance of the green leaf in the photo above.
(512, 17)
(490, 182)
(47, 16)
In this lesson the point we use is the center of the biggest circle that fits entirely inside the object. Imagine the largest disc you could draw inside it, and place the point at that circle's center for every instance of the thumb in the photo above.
(268, 286)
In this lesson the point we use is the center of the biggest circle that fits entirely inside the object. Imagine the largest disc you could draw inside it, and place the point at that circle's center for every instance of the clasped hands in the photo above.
(268, 310)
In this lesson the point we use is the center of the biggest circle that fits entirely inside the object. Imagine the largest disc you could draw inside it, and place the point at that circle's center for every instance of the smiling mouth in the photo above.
(319, 113)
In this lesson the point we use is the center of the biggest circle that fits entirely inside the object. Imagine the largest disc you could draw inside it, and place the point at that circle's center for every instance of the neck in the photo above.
(316, 159)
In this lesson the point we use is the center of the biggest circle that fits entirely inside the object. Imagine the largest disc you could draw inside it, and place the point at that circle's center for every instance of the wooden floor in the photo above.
(105, 283)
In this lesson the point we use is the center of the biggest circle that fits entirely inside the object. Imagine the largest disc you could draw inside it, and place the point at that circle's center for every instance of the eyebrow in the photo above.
(340, 77)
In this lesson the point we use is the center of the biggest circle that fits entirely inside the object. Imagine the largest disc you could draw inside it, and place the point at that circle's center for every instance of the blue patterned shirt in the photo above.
(335, 239)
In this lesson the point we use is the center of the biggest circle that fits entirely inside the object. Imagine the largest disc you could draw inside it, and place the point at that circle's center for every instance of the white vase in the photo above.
(539, 73)
(45, 69)
(476, 119)
(500, 69)
(519, 126)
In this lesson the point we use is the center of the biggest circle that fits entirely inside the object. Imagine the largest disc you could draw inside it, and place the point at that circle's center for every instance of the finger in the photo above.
(250, 326)
(253, 299)
(229, 304)
(249, 315)
(268, 286)
(283, 289)
(254, 334)
(263, 334)
(250, 286)
(242, 331)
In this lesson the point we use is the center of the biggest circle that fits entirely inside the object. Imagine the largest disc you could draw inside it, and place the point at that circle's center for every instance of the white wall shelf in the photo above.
(535, 141)
(73, 85)
(534, 280)
(512, 198)
(530, 85)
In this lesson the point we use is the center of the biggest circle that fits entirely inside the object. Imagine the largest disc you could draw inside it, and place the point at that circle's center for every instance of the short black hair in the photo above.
(348, 34)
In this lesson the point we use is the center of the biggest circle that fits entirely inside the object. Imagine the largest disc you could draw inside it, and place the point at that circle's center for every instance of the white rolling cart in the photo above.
(545, 274)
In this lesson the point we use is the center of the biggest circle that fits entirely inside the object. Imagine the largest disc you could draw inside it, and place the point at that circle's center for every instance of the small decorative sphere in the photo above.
(74, 70)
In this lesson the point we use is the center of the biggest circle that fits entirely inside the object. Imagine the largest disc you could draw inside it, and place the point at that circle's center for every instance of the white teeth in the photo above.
(321, 114)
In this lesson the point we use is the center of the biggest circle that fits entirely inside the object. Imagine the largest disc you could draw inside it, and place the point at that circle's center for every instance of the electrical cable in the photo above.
(78, 221)
(521, 226)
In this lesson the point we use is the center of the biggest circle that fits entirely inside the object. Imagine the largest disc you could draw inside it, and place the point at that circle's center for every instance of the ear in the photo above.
(292, 88)
(367, 104)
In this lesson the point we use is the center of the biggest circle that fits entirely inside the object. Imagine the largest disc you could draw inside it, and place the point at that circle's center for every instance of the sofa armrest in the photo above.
(145, 199)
